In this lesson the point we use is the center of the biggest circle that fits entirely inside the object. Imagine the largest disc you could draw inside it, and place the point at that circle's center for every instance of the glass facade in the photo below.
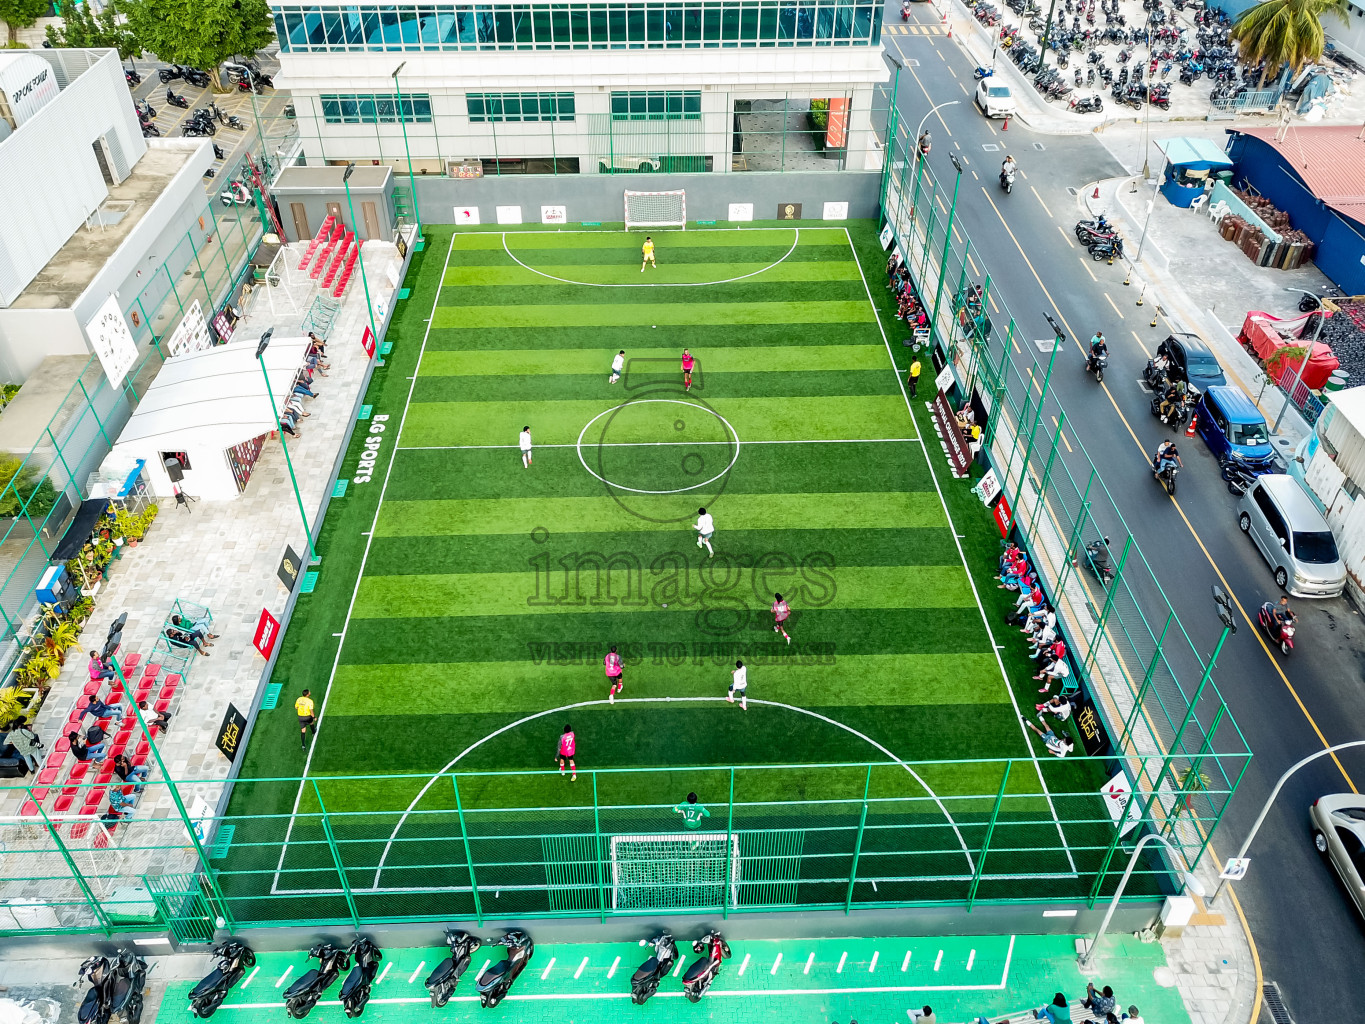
(372, 108)
(584, 26)
(656, 106)
(520, 106)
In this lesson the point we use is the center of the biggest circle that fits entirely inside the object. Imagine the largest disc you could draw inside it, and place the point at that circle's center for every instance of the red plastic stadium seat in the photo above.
(162, 704)
(61, 746)
(29, 810)
(151, 671)
(63, 803)
(93, 687)
(124, 734)
(172, 684)
(48, 776)
(104, 776)
(78, 771)
(131, 662)
(144, 690)
(138, 760)
(56, 758)
(82, 702)
(142, 747)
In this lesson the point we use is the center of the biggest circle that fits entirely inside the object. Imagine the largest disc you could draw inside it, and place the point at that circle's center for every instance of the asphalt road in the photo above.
(1308, 934)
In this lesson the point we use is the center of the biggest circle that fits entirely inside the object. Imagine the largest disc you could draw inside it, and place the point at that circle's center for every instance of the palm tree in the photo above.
(1283, 32)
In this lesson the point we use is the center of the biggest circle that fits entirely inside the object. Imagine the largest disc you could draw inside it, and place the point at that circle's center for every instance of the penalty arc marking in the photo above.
(971, 865)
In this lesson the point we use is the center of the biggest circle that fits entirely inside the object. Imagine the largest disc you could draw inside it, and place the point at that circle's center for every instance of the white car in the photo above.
(994, 98)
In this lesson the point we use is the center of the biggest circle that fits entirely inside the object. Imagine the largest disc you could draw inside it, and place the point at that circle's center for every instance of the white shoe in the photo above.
(789, 639)
(729, 700)
(611, 696)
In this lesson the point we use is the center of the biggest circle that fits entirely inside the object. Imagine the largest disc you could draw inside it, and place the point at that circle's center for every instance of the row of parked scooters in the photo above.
(117, 984)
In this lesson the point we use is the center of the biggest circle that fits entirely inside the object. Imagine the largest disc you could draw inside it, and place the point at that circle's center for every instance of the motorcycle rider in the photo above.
(1165, 455)
(925, 142)
(1098, 347)
(1174, 396)
(1284, 615)
(1008, 168)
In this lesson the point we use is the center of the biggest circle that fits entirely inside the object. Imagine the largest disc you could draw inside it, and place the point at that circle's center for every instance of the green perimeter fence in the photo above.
(1176, 741)
(835, 837)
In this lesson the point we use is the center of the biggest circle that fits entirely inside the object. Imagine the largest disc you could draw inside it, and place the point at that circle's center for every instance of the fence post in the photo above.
(1047, 469)
(986, 845)
(91, 406)
(1108, 604)
(90, 897)
(1073, 544)
(729, 840)
(336, 857)
(858, 843)
(468, 855)
(1113, 845)
(1146, 682)
(924, 253)
(914, 197)
(597, 851)
(1193, 775)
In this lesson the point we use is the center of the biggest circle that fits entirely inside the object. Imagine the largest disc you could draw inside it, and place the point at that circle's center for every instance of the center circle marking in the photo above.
(578, 446)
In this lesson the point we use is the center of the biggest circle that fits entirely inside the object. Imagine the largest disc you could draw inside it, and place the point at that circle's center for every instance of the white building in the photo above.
(1331, 462)
(588, 88)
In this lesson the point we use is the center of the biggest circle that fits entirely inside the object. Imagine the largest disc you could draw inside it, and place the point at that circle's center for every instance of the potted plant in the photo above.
(146, 518)
(80, 611)
(40, 669)
(13, 704)
(64, 636)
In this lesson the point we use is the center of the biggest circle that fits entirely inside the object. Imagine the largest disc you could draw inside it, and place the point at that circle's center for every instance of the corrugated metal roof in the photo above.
(1329, 158)
(1185, 151)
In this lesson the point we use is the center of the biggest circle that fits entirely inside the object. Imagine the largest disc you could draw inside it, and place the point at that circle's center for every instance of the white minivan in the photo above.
(1282, 520)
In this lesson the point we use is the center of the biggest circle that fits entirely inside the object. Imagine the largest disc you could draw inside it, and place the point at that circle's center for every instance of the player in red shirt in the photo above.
(781, 613)
(687, 370)
(615, 671)
(566, 749)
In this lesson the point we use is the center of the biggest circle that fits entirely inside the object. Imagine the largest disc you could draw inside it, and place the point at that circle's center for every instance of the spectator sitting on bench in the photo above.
(1054, 706)
(99, 709)
(155, 719)
(81, 752)
(183, 634)
(99, 669)
(121, 804)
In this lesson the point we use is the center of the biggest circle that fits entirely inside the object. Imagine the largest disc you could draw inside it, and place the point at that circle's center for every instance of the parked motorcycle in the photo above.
(654, 970)
(1110, 248)
(703, 971)
(494, 983)
(1088, 231)
(1237, 473)
(198, 79)
(116, 987)
(170, 73)
(1280, 631)
(236, 194)
(131, 76)
(1088, 105)
(981, 73)
(234, 959)
(1098, 559)
(176, 100)
(303, 995)
(355, 990)
(442, 981)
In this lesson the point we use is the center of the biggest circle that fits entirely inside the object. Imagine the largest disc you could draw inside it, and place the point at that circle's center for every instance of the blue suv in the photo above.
(1230, 424)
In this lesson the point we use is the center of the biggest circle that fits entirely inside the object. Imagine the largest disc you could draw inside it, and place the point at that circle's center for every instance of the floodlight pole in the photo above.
(360, 249)
(403, 123)
(308, 533)
(1191, 882)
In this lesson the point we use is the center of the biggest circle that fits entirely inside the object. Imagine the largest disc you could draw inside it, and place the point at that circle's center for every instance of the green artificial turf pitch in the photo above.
(489, 592)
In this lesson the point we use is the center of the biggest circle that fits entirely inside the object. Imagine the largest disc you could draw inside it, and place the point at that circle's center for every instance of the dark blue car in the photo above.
(1229, 422)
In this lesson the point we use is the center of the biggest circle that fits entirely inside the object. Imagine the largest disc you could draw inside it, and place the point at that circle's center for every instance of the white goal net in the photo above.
(656, 209)
(674, 871)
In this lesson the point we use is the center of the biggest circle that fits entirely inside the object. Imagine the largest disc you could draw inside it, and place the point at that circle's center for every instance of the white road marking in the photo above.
(482, 969)
(287, 971)
(744, 965)
(384, 972)
(971, 959)
(938, 962)
(842, 957)
(416, 971)
(579, 973)
(905, 964)
(809, 960)
(546, 973)
(253, 974)
(680, 967)
(614, 964)
(776, 964)
(873, 965)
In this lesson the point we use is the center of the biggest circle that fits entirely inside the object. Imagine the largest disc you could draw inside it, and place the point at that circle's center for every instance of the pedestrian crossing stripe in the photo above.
(915, 30)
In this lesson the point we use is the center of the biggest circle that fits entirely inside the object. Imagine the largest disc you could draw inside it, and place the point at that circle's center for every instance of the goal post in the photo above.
(682, 870)
(656, 209)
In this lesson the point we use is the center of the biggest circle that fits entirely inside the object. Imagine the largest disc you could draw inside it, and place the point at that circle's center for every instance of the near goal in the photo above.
(656, 209)
(668, 872)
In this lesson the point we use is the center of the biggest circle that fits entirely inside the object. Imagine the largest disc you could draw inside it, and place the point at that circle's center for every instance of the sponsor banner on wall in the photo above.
(466, 215)
(741, 211)
(554, 215)
(192, 333)
(509, 214)
(836, 211)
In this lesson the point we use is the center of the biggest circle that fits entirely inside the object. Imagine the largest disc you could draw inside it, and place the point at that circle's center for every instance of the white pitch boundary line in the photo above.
(1004, 676)
(776, 964)
(360, 575)
(643, 284)
(416, 971)
(656, 444)
(962, 842)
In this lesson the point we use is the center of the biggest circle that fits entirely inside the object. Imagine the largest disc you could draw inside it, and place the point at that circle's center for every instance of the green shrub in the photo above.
(19, 484)
(819, 115)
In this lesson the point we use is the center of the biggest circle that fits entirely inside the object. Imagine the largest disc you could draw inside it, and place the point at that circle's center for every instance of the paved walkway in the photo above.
(800, 981)
(223, 555)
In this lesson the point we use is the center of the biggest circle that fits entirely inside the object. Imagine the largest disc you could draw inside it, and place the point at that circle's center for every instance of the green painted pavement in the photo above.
(720, 360)
(841, 417)
(823, 511)
(512, 593)
(799, 981)
(629, 274)
(528, 686)
(646, 314)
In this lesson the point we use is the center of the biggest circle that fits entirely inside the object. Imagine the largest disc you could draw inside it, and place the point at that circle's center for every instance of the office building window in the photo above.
(520, 106)
(656, 106)
(371, 108)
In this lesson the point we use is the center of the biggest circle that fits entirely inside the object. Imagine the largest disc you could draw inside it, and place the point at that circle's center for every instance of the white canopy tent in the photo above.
(212, 407)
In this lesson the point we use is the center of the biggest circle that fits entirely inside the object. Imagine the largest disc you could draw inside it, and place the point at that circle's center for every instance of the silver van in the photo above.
(1291, 533)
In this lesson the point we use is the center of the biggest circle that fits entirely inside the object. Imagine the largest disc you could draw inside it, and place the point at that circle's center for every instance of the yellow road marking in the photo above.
(1062, 434)
(1040, 200)
(1141, 345)
(1113, 303)
(1086, 263)
(1068, 238)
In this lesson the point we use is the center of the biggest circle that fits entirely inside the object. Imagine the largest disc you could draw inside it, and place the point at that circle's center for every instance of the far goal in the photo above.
(670, 872)
(656, 210)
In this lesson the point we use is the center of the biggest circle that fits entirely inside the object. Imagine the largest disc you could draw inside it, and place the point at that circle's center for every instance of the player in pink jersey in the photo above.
(615, 671)
(781, 613)
(566, 751)
(687, 370)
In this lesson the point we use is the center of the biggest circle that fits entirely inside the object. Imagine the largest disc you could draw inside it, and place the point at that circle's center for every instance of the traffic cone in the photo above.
(1194, 419)
(1097, 193)
(1006, 126)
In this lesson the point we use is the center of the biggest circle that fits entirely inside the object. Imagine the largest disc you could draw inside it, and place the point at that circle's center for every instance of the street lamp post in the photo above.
(1265, 809)
(255, 111)
(260, 358)
(919, 157)
(403, 122)
(947, 241)
(1191, 883)
(360, 249)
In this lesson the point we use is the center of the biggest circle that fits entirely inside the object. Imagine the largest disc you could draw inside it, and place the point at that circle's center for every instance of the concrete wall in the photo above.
(52, 180)
(28, 336)
(316, 199)
(599, 198)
